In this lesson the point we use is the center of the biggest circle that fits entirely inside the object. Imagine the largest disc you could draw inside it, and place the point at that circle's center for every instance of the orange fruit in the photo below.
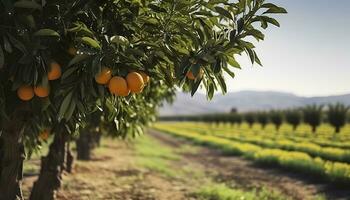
(191, 76)
(72, 51)
(145, 77)
(118, 86)
(135, 82)
(41, 91)
(55, 71)
(44, 135)
(25, 92)
(104, 76)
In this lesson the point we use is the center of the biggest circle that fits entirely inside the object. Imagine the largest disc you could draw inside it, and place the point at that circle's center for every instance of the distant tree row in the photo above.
(335, 114)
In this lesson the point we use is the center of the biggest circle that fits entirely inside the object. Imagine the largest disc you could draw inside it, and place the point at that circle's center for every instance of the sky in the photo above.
(309, 55)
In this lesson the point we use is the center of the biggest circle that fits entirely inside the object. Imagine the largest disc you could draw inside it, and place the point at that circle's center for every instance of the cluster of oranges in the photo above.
(27, 92)
(134, 82)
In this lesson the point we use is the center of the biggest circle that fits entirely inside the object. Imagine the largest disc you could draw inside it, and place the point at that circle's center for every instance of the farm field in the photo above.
(307, 154)
(159, 166)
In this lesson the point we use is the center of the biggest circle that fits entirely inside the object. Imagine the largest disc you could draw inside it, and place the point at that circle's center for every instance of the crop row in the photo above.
(323, 142)
(299, 161)
(314, 150)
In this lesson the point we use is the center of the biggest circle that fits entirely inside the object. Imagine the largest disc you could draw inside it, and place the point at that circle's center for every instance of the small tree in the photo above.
(293, 117)
(57, 59)
(313, 115)
(250, 118)
(276, 118)
(262, 119)
(337, 115)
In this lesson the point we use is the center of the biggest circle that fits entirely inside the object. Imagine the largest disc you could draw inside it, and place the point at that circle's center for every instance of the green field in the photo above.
(324, 154)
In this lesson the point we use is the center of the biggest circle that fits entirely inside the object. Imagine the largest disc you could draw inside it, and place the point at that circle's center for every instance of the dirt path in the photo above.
(238, 171)
(112, 175)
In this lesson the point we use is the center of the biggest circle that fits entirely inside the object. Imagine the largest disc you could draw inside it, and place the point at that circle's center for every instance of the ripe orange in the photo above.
(41, 91)
(191, 76)
(118, 86)
(135, 82)
(44, 135)
(145, 77)
(25, 92)
(55, 71)
(72, 51)
(104, 76)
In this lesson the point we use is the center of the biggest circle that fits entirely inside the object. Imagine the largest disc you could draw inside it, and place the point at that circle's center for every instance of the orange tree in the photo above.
(57, 60)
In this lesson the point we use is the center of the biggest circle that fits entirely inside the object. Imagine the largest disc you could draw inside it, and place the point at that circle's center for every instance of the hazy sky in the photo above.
(309, 55)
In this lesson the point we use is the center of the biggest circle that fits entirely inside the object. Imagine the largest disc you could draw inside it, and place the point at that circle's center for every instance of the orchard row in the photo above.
(335, 114)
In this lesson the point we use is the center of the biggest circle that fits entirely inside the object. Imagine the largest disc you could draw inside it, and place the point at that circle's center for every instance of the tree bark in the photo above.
(314, 129)
(84, 143)
(69, 159)
(52, 166)
(337, 129)
(12, 155)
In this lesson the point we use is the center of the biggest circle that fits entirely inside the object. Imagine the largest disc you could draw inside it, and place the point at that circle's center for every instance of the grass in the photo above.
(154, 156)
(217, 191)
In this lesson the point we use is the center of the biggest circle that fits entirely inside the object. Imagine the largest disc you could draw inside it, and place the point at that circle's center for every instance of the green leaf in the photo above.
(64, 106)
(222, 83)
(68, 72)
(120, 40)
(232, 61)
(157, 8)
(272, 8)
(2, 58)
(91, 42)
(70, 110)
(7, 45)
(195, 86)
(229, 72)
(255, 33)
(27, 4)
(223, 12)
(46, 32)
(78, 58)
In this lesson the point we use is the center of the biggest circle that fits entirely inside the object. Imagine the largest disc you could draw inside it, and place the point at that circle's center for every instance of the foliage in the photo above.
(165, 39)
(299, 161)
(313, 115)
(293, 117)
(262, 118)
(276, 118)
(250, 118)
(337, 115)
(223, 192)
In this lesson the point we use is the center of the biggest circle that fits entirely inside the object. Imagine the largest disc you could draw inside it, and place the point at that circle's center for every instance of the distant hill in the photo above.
(243, 101)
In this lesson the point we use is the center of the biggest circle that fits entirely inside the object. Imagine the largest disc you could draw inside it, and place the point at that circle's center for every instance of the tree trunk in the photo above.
(84, 145)
(52, 166)
(337, 129)
(12, 155)
(314, 129)
(295, 127)
(11, 167)
(69, 159)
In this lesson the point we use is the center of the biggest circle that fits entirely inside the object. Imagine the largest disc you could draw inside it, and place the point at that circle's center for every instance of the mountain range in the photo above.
(243, 101)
